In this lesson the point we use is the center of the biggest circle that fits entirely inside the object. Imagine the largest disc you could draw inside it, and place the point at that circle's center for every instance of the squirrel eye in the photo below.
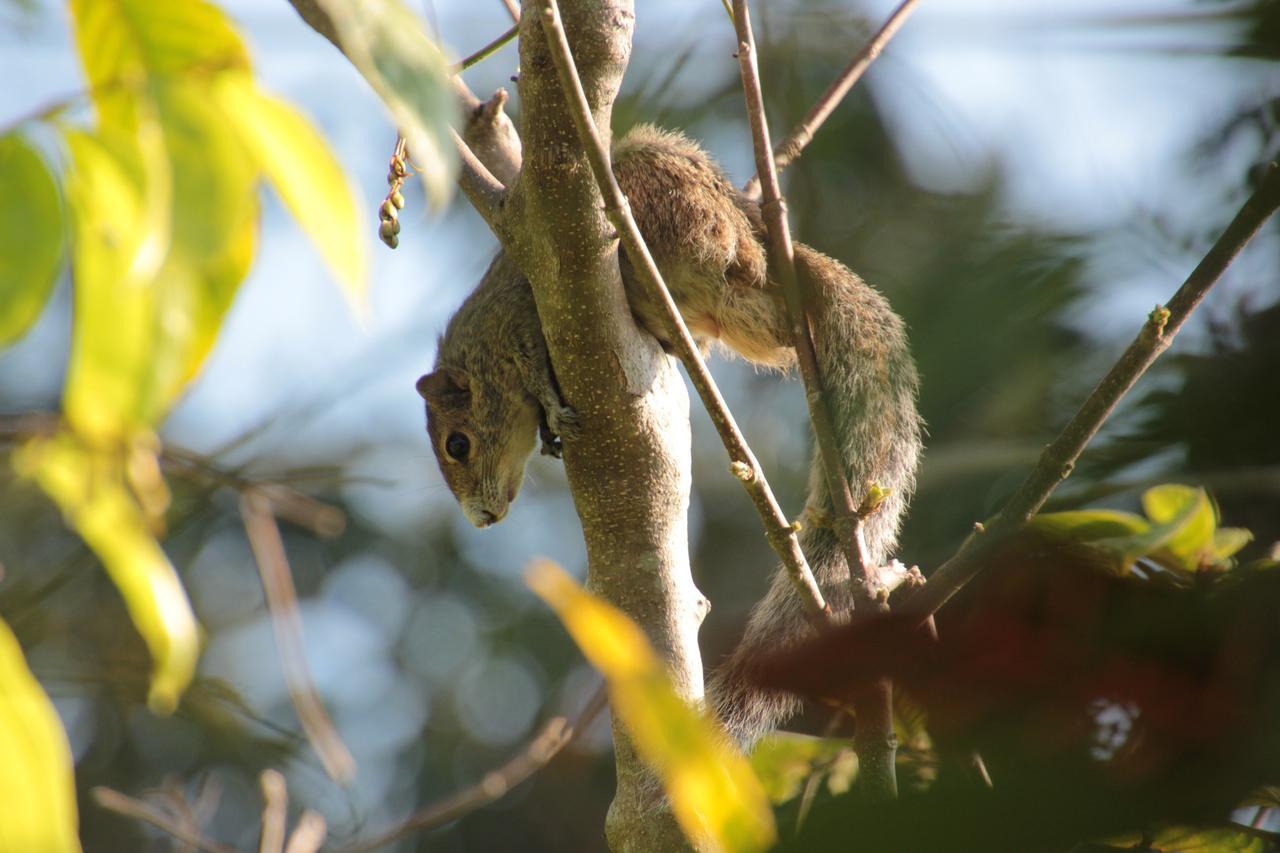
(457, 446)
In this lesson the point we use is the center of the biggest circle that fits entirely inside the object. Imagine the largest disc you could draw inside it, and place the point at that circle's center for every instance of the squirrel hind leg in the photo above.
(751, 323)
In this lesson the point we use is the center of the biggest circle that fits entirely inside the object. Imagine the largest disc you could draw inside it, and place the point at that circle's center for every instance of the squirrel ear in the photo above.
(444, 382)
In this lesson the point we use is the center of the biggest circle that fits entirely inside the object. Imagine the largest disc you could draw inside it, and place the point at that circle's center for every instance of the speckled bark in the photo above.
(629, 471)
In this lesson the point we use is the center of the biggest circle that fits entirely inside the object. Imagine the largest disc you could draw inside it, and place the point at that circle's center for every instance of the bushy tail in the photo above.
(871, 387)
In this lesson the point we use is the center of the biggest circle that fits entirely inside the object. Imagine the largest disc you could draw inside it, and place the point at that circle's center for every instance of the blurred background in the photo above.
(1024, 181)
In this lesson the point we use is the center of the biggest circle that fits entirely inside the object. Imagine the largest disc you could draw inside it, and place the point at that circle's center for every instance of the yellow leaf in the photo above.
(89, 484)
(31, 236)
(126, 44)
(37, 788)
(388, 46)
(1194, 514)
(716, 798)
(299, 164)
(120, 240)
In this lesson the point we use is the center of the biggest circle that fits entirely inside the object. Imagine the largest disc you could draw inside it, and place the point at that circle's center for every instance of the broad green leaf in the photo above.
(1195, 515)
(119, 202)
(37, 788)
(784, 761)
(1227, 541)
(215, 229)
(1088, 525)
(387, 44)
(296, 159)
(125, 44)
(716, 798)
(1181, 839)
(31, 236)
(89, 484)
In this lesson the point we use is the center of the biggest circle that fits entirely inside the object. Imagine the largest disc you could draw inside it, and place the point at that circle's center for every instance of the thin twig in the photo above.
(513, 9)
(322, 519)
(782, 261)
(275, 811)
(780, 533)
(485, 192)
(555, 735)
(308, 835)
(485, 52)
(802, 134)
(1059, 458)
(282, 604)
(873, 706)
(122, 804)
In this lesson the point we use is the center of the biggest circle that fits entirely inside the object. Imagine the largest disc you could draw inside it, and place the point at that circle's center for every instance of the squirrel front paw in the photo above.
(563, 420)
(557, 422)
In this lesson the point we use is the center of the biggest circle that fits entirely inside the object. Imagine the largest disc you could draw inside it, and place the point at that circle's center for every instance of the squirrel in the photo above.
(493, 382)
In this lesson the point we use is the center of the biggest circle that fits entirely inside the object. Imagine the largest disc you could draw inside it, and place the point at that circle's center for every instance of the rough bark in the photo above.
(629, 471)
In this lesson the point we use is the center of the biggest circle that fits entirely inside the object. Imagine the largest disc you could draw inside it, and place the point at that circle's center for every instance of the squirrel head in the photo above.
(482, 436)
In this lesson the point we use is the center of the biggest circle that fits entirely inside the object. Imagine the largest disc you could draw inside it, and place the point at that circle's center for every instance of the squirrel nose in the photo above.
(484, 518)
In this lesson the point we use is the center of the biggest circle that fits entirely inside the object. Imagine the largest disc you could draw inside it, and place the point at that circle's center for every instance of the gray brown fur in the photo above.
(493, 383)
(707, 240)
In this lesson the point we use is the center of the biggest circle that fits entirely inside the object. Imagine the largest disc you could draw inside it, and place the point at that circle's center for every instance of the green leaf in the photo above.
(296, 159)
(90, 484)
(119, 203)
(716, 798)
(125, 44)
(31, 236)
(1192, 512)
(387, 44)
(1089, 525)
(1182, 839)
(1227, 541)
(37, 788)
(784, 761)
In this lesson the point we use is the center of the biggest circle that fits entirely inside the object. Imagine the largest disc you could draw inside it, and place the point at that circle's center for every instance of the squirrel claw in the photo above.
(563, 421)
(557, 422)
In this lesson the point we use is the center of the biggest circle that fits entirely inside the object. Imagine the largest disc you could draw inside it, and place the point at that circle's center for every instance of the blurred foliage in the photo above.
(1101, 702)
(436, 664)
(715, 795)
(35, 762)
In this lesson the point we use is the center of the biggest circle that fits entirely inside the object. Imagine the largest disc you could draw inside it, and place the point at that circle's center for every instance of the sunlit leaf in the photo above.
(31, 235)
(784, 761)
(387, 44)
(1227, 541)
(37, 789)
(1087, 525)
(1180, 839)
(89, 484)
(714, 795)
(304, 172)
(123, 44)
(120, 240)
(1193, 511)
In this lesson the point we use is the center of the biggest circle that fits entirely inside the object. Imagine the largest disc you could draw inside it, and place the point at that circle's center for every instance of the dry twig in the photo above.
(874, 739)
(282, 604)
(1059, 457)
(122, 804)
(780, 533)
(802, 134)
(555, 735)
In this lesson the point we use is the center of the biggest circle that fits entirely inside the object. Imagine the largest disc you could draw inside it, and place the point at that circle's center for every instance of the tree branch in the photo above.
(873, 706)
(497, 783)
(1059, 457)
(802, 134)
(282, 605)
(780, 532)
(629, 468)
(121, 804)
